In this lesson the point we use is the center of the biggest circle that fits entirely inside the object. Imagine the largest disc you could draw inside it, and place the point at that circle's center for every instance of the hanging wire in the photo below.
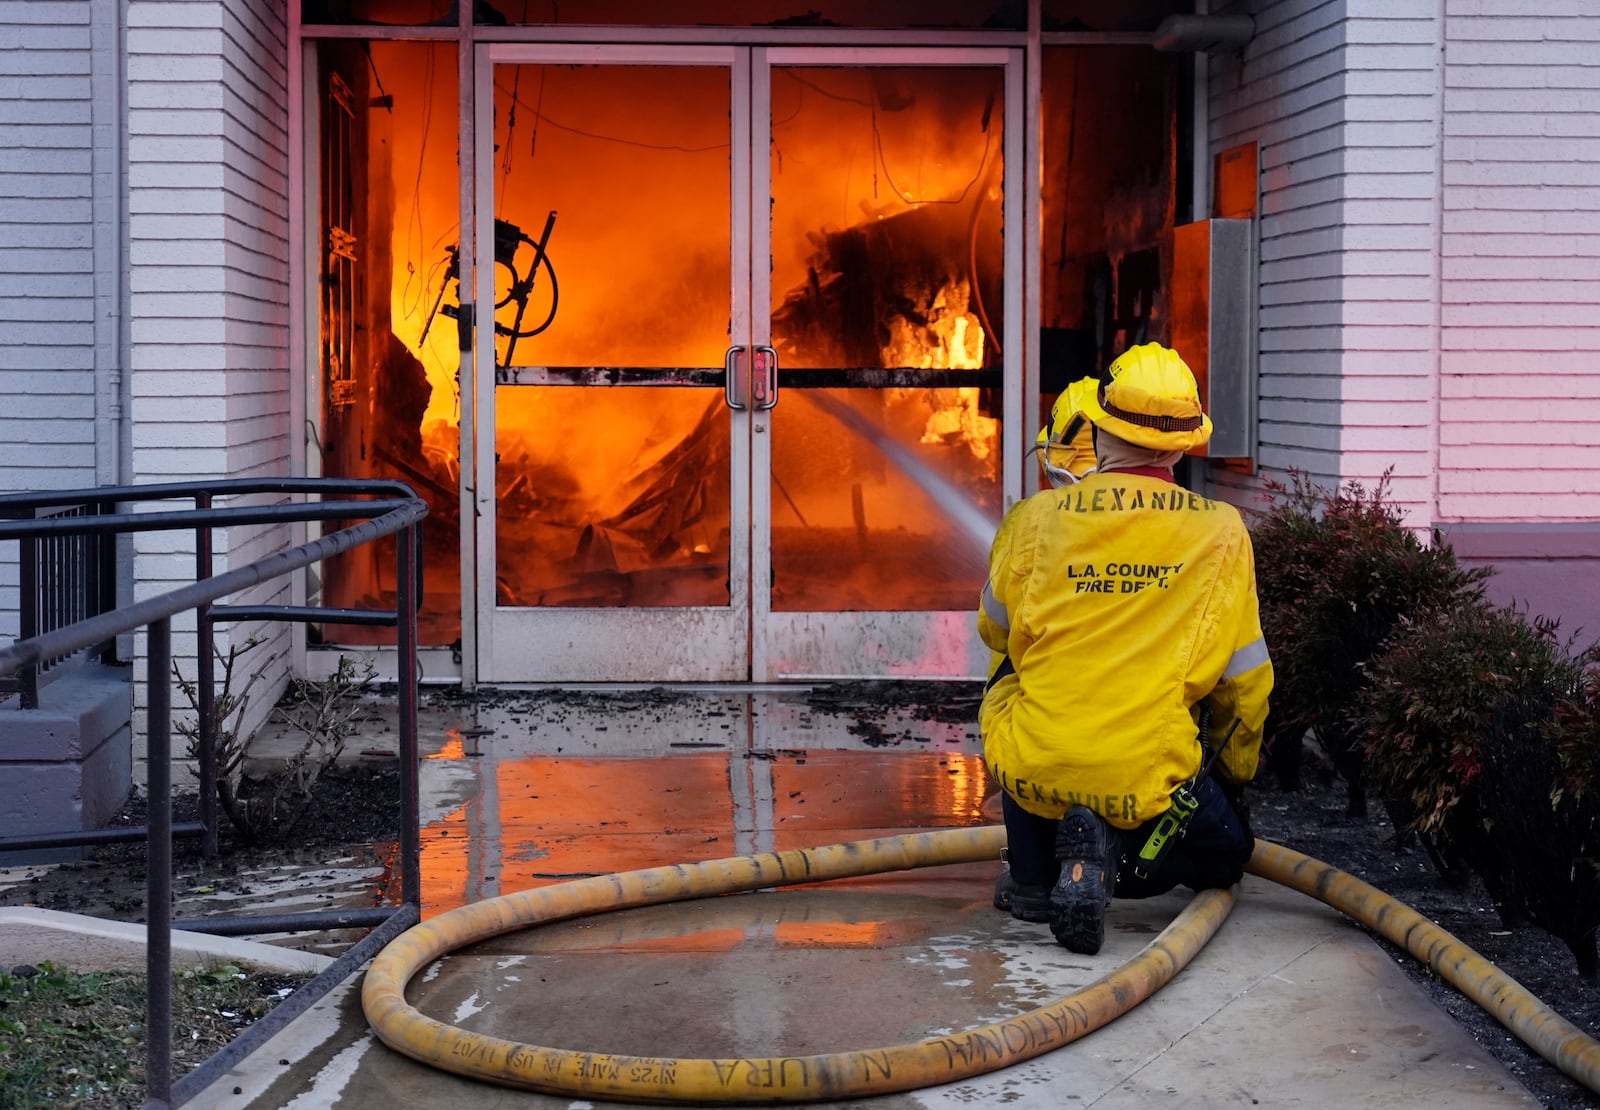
(538, 107)
(1066, 177)
(383, 93)
(830, 94)
(412, 294)
(877, 151)
(507, 155)
(435, 269)
(882, 159)
(511, 121)
(541, 117)
(772, 128)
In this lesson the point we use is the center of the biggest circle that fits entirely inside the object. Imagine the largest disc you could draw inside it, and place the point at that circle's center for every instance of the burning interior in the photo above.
(617, 281)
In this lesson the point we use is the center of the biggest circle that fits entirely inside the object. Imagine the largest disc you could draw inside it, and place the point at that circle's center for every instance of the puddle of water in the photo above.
(523, 788)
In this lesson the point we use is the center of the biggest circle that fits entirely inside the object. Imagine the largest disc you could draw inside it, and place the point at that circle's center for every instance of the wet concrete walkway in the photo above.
(1288, 1005)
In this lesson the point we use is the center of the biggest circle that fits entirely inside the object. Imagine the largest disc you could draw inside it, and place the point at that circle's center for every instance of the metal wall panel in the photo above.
(1213, 327)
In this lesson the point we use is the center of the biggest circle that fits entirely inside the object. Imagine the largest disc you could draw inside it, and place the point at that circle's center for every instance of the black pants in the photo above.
(1211, 854)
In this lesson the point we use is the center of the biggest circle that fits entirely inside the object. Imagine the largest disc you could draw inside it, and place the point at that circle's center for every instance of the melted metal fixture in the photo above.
(508, 240)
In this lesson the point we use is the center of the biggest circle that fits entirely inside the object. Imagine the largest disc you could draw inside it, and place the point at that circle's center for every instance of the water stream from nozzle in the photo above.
(971, 521)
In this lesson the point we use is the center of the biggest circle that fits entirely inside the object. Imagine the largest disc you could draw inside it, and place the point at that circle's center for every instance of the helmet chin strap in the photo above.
(1060, 477)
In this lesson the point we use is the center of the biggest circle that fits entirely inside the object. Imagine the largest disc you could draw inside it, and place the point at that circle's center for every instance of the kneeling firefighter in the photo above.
(1124, 715)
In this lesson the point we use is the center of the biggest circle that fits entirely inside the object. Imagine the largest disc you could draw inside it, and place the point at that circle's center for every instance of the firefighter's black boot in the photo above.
(1025, 903)
(1087, 849)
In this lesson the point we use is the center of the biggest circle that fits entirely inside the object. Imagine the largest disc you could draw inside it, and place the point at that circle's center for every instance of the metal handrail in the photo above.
(233, 487)
(61, 579)
(394, 510)
(105, 499)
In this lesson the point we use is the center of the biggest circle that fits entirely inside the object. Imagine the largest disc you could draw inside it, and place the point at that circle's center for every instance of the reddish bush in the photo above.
(1336, 572)
(1574, 731)
(1477, 722)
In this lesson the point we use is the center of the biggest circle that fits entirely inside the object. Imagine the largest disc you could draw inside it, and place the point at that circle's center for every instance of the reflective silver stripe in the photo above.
(993, 609)
(1246, 659)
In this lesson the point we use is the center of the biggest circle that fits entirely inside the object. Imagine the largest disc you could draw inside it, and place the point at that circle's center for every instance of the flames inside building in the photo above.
(623, 275)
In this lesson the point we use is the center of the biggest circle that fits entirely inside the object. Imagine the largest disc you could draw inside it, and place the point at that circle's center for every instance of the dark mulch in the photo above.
(352, 806)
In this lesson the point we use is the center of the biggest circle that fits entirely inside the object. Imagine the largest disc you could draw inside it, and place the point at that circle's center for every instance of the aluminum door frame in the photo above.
(560, 645)
(817, 646)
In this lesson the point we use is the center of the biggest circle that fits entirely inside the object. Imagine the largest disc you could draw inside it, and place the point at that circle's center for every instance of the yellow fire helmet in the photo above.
(1151, 400)
(1066, 445)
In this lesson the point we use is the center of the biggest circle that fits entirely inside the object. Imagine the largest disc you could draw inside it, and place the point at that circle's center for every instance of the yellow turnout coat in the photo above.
(1121, 602)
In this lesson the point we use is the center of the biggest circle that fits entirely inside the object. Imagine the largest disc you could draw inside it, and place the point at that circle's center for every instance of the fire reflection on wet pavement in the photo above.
(521, 788)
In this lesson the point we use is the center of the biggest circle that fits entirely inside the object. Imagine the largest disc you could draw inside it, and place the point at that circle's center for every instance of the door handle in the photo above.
(764, 379)
(734, 390)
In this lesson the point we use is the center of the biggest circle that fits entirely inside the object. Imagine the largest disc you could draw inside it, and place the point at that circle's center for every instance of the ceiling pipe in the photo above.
(1204, 34)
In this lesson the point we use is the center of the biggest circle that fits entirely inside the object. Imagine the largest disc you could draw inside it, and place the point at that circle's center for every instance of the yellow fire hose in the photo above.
(780, 1079)
(878, 1071)
(1506, 1000)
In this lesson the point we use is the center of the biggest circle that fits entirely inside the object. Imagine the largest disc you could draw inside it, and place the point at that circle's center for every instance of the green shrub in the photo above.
(1336, 571)
(1458, 721)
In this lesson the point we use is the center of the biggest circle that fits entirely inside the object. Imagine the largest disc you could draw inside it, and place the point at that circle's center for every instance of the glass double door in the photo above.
(738, 417)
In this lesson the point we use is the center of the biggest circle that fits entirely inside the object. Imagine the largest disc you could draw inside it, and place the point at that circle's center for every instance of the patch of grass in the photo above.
(77, 1039)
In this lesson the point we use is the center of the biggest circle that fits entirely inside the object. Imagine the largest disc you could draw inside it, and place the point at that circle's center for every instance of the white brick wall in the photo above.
(1520, 294)
(1284, 93)
(208, 209)
(1390, 268)
(1430, 275)
(47, 256)
(1342, 97)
